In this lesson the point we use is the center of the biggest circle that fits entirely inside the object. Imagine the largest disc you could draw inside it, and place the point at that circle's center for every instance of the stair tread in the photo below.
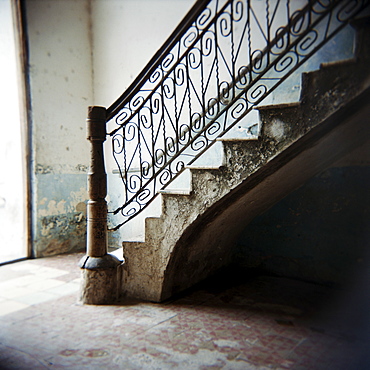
(278, 106)
(175, 191)
(337, 63)
(195, 167)
(251, 138)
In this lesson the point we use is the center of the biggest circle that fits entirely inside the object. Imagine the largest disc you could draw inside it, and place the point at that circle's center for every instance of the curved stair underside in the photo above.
(195, 235)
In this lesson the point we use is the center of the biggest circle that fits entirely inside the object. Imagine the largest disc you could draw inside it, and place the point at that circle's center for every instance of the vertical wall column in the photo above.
(101, 272)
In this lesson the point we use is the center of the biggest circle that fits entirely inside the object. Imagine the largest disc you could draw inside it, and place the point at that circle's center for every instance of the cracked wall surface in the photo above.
(60, 90)
(61, 218)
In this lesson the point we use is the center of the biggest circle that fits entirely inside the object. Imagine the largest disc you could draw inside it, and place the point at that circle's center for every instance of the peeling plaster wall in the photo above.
(61, 225)
(61, 89)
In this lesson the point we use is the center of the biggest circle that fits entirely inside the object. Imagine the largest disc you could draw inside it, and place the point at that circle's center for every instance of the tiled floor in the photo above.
(258, 323)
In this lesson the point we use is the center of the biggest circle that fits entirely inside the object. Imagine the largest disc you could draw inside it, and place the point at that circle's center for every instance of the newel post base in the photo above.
(101, 272)
(101, 280)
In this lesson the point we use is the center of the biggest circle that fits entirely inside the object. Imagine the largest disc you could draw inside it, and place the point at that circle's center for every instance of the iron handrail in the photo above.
(157, 59)
(293, 44)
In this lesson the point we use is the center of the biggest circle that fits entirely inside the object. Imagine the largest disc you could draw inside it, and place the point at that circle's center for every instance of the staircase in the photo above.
(224, 60)
(197, 230)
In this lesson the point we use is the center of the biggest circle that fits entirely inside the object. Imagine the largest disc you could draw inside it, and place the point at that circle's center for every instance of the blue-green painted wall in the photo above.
(60, 220)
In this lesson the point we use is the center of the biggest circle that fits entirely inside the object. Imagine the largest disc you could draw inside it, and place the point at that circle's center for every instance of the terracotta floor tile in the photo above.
(264, 323)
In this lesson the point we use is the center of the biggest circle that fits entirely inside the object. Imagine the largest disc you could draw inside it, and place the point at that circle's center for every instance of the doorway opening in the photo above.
(13, 137)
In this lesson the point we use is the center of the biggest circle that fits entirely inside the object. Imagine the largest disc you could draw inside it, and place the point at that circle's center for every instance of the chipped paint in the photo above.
(74, 203)
(277, 129)
(61, 234)
(61, 214)
(53, 208)
(60, 169)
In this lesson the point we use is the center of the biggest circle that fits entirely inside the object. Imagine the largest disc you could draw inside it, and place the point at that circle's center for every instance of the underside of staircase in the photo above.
(197, 231)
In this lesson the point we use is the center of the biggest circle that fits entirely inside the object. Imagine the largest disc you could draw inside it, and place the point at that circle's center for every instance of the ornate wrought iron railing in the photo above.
(220, 62)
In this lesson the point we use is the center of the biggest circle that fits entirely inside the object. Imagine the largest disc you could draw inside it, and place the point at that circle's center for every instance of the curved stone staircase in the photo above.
(195, 235)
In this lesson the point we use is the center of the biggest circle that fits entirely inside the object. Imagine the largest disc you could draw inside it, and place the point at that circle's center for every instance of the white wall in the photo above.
(126, 34)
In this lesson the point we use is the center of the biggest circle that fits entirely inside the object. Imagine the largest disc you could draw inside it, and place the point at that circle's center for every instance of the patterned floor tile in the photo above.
(264, 323)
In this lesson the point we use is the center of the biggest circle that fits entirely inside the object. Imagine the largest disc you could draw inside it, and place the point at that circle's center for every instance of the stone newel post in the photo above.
(101, 272)
(97, 241)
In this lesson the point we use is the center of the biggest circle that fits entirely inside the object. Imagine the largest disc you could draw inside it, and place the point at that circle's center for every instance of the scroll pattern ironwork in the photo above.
(230, 57)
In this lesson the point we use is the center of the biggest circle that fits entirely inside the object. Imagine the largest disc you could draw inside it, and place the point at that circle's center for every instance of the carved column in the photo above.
(97, 239)
(101, 272)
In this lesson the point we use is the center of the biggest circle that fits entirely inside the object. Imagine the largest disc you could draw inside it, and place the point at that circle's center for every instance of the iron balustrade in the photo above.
(223, 59)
